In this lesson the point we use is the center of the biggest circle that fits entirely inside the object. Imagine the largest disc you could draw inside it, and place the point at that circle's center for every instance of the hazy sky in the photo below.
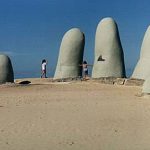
(31, 30)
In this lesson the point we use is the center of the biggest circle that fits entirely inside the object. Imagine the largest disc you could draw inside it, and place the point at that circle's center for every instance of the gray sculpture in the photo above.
(142, 69)
(70, 55)
(6, 70)
(109, 57)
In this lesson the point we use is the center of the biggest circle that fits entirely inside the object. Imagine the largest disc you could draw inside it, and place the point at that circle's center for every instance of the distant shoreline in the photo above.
(30, 74)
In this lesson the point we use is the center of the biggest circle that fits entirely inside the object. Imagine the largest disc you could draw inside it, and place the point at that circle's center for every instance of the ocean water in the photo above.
(129, 72)
(37, 74)
(29, 74)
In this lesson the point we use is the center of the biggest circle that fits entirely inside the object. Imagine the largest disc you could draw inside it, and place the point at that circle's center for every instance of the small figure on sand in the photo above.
(44, 63)
(85, 69)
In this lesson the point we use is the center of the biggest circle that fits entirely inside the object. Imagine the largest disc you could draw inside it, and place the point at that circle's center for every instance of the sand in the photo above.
(73, 116)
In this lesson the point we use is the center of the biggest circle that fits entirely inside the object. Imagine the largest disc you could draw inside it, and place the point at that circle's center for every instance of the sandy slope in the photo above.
(75, 116)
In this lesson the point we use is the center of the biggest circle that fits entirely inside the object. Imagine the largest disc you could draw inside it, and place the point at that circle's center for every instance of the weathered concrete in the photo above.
(146, 86)
(134, 82)
(120, 81)
(70, 55)
(110, 80)
(105, 80)
(109, 57)
(6, 70)
(142, 69)
(68, 79)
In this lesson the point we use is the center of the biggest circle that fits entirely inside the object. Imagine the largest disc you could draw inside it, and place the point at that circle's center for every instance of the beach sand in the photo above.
(73, 116)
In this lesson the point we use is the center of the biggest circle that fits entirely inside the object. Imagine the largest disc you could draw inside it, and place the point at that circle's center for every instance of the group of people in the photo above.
(84, 66)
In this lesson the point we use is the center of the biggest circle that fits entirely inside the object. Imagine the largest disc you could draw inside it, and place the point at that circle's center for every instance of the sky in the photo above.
(31, 30)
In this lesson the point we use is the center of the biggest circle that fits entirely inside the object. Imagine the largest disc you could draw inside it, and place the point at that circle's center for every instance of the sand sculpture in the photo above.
(142, 69)
(109, 57)
(70, 55)
(6, 70)
(146, 86)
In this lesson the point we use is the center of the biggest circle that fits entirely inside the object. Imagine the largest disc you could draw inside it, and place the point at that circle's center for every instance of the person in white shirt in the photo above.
(85, 69)
(44, 63)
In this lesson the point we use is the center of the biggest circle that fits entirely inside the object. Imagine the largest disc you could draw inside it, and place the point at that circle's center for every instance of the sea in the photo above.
(50, 74)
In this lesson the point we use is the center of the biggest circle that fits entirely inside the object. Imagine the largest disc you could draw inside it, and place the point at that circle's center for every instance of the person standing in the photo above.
(44, 63)
(85, 69)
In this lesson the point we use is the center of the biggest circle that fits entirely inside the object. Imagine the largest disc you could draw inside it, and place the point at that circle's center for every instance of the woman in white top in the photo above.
(44, 63)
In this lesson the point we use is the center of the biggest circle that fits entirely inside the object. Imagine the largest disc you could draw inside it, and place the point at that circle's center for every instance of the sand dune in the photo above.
(73, 116)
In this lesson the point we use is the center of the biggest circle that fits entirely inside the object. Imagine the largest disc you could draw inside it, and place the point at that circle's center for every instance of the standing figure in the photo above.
(85, 69)
(44, 63)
